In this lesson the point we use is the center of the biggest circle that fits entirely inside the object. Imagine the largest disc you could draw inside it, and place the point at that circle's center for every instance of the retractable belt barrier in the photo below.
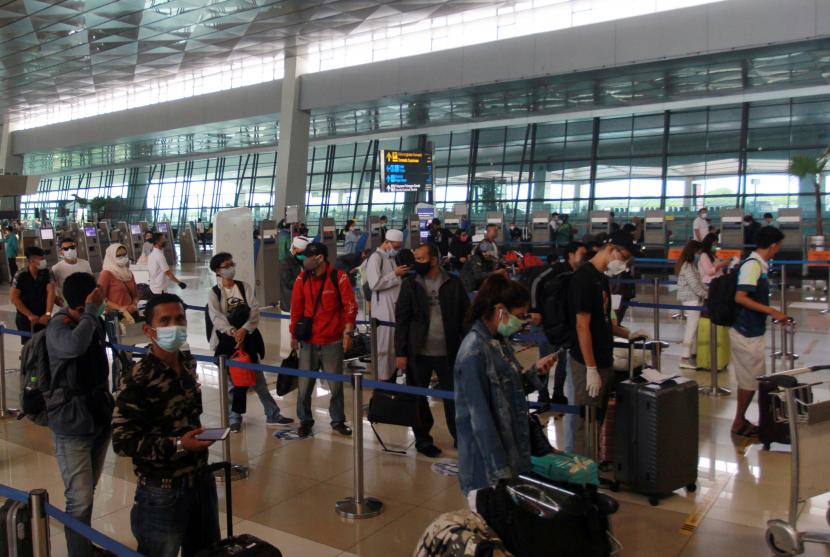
(67, 521)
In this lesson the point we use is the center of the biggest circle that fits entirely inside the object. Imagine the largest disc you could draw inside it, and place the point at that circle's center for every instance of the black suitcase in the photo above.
(15, 530)
(575, 521)
(768, 430)
(656, 436)
(244, 545)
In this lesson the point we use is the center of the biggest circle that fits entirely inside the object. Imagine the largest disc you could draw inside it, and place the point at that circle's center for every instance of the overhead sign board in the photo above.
(405, 171)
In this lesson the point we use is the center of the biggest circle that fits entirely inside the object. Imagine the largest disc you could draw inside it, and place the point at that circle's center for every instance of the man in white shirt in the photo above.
(69, 264)
(700, 226)
(157, 267)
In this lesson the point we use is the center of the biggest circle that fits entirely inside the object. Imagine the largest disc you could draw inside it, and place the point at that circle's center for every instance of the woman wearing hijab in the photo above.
(118, 284)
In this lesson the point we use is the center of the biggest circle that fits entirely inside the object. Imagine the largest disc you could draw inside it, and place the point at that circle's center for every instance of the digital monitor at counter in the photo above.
(405, 171)
(135, 229)
(90, 232)
(162, 227)
(47, 234)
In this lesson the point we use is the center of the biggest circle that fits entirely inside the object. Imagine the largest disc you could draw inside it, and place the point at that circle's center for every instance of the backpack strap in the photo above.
(241, 290)
(336, 284)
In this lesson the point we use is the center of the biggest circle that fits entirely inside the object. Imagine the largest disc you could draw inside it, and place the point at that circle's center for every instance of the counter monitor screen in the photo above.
(90, 232)
(47, 234)
(162, 227)
(405, 171)
(135, 229)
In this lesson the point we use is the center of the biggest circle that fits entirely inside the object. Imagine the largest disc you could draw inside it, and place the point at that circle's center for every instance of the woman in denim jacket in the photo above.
(490, 387)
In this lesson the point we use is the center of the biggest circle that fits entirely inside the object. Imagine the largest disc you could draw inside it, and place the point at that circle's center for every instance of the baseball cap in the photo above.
(299, 243)
(316, 248)
(623, 239)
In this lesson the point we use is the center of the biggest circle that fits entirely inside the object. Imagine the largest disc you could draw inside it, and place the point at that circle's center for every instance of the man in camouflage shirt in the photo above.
(156, 422)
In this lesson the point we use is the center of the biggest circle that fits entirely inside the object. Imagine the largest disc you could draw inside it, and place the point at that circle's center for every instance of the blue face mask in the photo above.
(392, 252)
(170, 339)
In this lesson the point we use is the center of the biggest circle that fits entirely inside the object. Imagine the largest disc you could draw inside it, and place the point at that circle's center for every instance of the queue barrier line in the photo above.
(647, 305)
(73, 524)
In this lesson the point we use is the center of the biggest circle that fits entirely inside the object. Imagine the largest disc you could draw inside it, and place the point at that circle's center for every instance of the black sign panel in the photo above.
(405, 171)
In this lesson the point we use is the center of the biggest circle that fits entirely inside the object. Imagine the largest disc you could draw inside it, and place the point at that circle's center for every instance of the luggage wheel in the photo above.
(691, 488)
(767, 446)
(653, 500)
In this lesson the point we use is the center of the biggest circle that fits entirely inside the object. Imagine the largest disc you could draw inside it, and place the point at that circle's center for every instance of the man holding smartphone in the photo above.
(157, 424)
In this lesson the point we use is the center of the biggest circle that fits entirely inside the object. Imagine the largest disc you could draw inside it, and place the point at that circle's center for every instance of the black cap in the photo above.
(624, 240)
(316, 248)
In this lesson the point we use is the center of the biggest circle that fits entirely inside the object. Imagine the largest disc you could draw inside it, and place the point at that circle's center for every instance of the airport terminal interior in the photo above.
(238, 125)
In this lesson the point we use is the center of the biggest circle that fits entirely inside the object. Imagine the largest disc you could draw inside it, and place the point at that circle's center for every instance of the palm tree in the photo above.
(809, 168)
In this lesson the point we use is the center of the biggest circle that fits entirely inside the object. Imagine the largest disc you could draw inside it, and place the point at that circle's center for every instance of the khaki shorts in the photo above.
(748, 359)
(579, 378)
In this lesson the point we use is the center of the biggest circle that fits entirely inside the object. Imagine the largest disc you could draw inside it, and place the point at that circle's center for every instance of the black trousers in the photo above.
(12, 268)
(419, 374)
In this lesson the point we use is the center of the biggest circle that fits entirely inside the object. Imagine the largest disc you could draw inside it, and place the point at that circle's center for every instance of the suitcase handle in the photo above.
(226, 467)
(799, 371)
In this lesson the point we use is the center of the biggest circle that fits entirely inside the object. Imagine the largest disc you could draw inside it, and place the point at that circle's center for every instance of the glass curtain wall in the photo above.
(726, 156)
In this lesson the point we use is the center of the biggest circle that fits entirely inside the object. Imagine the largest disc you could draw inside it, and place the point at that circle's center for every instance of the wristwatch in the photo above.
(179, 446)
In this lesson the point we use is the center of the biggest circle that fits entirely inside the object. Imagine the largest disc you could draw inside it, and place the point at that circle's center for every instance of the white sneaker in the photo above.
(687, 363)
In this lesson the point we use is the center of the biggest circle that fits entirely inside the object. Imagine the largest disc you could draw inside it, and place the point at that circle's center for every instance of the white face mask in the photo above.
(615, 267)
(122, 261)
(42, 265)
(70, 254)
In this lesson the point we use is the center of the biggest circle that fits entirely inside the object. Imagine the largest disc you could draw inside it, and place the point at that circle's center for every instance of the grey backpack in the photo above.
(35, 378)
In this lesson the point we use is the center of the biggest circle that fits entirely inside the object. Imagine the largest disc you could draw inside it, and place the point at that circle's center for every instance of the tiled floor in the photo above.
(290, 495)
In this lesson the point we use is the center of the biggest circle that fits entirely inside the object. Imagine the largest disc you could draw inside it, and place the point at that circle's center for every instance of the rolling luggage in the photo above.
(243, 545)
(768, 430)
(656, 436)
(704, 358)
(15, 530)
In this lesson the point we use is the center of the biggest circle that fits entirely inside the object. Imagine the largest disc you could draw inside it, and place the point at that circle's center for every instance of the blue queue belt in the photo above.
(74, 524)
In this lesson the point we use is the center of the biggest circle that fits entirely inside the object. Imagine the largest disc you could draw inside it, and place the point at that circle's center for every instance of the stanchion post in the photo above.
(5, 411)
(783, 288)
(38, 500)
(713, 389)
(238, 472)
(358, 506)
(826, 311)
(656, 315)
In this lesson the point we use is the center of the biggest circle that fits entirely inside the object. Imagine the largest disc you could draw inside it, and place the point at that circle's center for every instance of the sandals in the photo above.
(746, 430)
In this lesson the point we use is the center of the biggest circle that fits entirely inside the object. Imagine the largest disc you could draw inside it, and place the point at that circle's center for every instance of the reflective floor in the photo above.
(290, 495)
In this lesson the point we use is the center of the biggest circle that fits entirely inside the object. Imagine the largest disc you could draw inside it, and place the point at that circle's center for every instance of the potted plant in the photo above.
(808, 169)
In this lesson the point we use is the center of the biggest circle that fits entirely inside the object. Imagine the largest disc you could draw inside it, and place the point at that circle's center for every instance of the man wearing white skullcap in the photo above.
(384, 277)
(290, 266)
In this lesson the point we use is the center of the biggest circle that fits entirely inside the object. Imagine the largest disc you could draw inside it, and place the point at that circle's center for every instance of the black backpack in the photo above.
(721, 305)
(556, 315)
(208, 320)
(35, 378)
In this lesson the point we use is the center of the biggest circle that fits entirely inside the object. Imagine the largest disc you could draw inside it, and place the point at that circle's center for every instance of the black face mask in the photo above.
(422, 268)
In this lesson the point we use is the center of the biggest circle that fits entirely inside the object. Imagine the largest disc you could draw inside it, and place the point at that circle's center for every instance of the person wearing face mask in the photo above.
(700, 226)
(491, 414)
(81, 421)
(157, 267)
(428, 331)
(384, 276)
(592, 355)
(709, 265)
(11, 247)
(157, 423)
(460, 248)
(351, 237)
(324, 300)
(118, 283)
(233, 311)
(690, 292)
(68, 265)
(146, 249)
(33, 293)
(291, 265)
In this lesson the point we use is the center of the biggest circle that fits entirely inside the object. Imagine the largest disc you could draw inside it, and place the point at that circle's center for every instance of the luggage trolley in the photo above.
(809, 424)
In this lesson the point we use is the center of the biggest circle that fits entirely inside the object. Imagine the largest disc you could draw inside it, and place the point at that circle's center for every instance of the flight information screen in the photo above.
(405, 171)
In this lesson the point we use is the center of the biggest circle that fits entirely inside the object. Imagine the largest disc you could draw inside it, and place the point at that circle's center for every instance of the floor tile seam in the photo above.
(381, 529)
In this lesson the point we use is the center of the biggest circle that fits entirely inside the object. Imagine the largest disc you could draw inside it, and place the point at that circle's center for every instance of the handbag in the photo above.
(287, 383)
(393, 408)
(242, 377)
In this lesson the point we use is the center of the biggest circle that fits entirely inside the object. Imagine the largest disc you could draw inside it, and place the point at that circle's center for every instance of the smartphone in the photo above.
(214, 434)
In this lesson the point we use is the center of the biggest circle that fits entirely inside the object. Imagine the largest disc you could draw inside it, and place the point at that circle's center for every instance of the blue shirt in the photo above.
(11, 246)
(752, 279)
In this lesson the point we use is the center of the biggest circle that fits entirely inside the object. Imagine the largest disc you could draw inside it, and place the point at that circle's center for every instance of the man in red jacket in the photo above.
(324, 296)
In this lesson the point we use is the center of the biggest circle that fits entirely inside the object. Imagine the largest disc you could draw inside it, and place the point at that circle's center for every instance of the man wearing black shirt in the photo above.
(592, 357)
(33, 293)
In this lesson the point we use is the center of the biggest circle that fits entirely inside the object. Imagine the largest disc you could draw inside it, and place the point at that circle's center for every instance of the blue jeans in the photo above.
(272, 409)
(571, 420)
(329, 358)
(81, 459)
(166, 519)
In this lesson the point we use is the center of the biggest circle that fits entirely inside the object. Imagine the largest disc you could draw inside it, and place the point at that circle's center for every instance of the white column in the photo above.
(9, 164)
(292, 149)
